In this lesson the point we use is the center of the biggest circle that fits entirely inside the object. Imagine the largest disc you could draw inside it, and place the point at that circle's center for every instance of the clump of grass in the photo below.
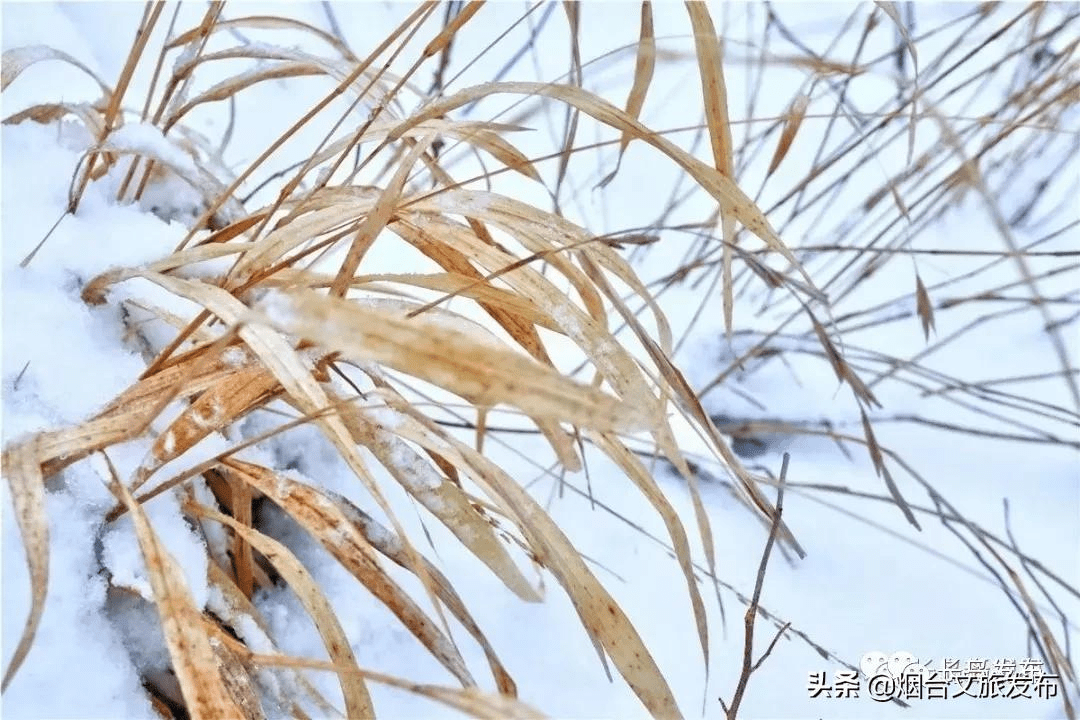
(291, 318)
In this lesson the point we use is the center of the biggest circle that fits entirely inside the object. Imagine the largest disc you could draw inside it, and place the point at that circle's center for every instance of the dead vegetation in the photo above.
(290, 320)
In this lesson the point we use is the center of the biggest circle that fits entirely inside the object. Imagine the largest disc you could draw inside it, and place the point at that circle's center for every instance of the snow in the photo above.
(147, 139)
(870, 583)
(76, 634)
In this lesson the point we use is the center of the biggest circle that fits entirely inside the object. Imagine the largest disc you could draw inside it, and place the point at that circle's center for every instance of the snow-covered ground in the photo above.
(870, 581)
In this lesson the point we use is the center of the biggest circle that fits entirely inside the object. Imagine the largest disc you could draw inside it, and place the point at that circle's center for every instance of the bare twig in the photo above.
(748, 665)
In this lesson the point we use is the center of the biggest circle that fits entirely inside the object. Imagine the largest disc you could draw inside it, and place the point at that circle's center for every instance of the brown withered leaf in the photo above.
(326, 523)
(792, 120)
(389, 544)
(193, 659)
(22, 468)
(357, 700)
(476, 368)
(924, 307)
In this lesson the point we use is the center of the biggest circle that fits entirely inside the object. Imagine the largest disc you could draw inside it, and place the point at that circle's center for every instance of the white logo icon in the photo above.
(874, 663)
(897, 665)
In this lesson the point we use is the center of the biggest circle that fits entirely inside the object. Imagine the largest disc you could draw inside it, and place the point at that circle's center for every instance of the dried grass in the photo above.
(282, 324)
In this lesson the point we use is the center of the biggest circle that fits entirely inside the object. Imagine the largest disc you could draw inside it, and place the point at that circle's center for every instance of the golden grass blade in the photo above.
(444, 499)
(499, 148)
(235, 673)
(375, 222)
(229, 87)
(494, 300)
(545, 234)
(389, 544)
(792, 121)
(723, 188)
(239, 506)
(446, 35)
(16, 60)
(61, 448)
(923, 307)
(52, 112)
(218, 406)
(353, 689)
(711, 70)
(468, 700)
(193, 659)
(818, 65)
(872, 444)
(883, 471)
(645, 482)
(130, 414)
(606, 623)
(326, 523)
(237, 611)
(612, 261)
(22, 468)
(643, 70)
(643, 73)
(480, 370)
(714, 90)
(843, 371)
(514, 313)
(573, 20)
(691, 405)
(480, 134)
(601, 615)
(263, 22)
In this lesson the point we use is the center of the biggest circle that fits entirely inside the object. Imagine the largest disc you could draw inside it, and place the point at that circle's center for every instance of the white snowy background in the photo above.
(869, 582)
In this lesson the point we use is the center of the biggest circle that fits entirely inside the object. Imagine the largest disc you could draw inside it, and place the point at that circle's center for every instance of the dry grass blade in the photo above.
(889, 8)
(376, 220)
(721, 187)
(872, 444)
(16, 60)
(601, 615)
(844, 371)
(606, 623)
(357, 700)
(326, 523)
(220, 405)
(193, 658)
(270, 22)
(643, 74)
(639, 474)
(470, 365)
(238, 612)
(237, 675)
(792, 120)
(714, 90)
(22, 468)
(443, 498)
(52, 112)
(923, 307)
(468, 700)
(523, 311)
(883, 471)
(386, 542)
